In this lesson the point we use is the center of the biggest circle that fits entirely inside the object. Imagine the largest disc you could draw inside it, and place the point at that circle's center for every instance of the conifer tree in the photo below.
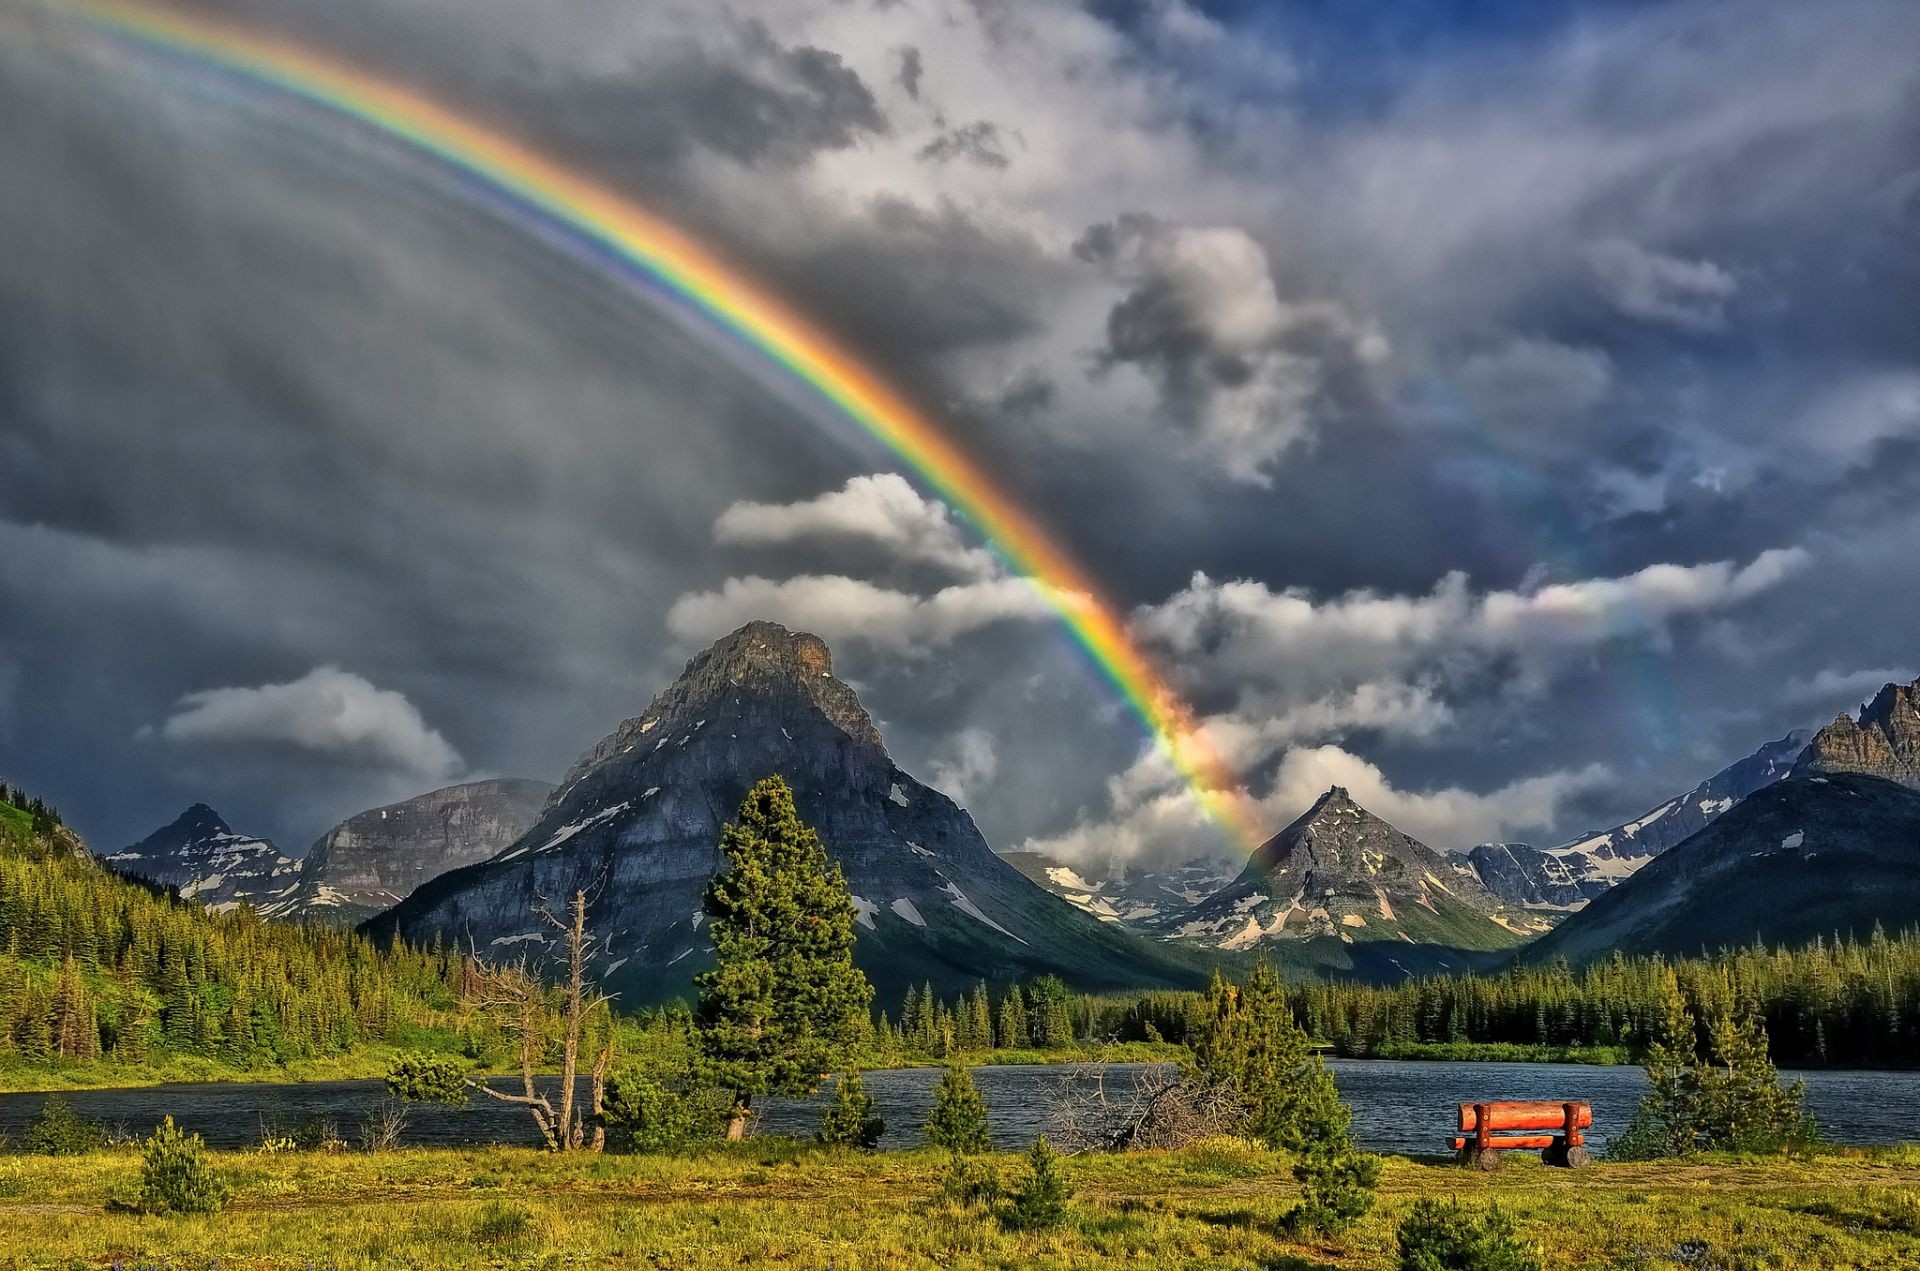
(783, 1002)
(1039, 1200)
(980, 1018)
(850, 1120)
(1013, 1021)
(1249, 1042)
(958, 1121)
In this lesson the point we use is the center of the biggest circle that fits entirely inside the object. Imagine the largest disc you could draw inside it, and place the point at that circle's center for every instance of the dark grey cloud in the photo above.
(910, 72)
(979, 142)
(1545, 311)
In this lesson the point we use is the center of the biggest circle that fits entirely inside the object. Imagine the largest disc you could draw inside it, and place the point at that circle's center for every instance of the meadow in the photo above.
(778, 1202)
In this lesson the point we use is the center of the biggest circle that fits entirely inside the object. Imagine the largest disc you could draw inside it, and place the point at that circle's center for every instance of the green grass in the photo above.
(774, 1202)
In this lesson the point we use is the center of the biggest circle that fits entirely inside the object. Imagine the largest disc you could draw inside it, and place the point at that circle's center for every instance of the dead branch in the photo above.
(1158, 1109)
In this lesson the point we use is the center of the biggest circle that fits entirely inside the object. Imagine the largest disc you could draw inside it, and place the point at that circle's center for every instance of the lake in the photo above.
(1399, 1105)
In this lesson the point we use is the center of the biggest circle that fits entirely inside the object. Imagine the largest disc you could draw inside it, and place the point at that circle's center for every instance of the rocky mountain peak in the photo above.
(202, 857)
(1340, 873)
(197, 822)
(1883, 742)
(762, 664)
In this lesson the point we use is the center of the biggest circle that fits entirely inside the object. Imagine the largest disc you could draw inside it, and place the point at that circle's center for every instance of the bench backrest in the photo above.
(1538, 1114)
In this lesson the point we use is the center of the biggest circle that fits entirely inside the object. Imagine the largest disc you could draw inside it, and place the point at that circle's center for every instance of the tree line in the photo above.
(1836, 1002)
(93, 965)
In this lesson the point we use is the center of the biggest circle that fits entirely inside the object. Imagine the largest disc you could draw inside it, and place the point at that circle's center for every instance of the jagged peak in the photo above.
(201, 819)
(760, 657)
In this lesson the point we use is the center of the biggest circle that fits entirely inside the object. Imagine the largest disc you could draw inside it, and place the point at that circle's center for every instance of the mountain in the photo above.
(1568, 876)
(1804, 857)
(1349, 891)
(1125, 895)
(372, 860)
(201, 857)
(637, 821)
(1884, 742)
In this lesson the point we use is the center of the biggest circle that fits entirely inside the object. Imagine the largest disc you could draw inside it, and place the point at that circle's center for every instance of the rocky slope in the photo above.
(1884, 742)
(1804, 857)
(1568, 876)
(637, 820)
(201, 857)
(1347, 890)
(1127, 896)
(374, 859)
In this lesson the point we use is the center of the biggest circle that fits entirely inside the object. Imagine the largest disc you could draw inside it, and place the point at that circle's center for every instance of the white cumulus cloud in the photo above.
(328, 713)
(838, 608)
(882, 509)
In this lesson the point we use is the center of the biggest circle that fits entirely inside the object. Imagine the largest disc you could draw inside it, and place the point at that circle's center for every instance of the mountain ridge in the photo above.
(636, 823)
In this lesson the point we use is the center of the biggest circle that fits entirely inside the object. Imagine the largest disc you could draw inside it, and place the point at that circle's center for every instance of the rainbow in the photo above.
(647, 252)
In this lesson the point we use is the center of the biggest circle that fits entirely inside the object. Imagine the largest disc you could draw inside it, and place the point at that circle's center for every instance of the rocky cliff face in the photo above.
(1808, 856)
(1884, 742)
(1568, 876)
(1340, 876)
(373, 860)
(637, 821)
(199, 855)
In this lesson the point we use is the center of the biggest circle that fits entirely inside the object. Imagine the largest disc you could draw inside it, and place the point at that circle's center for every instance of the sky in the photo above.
(1510, 412)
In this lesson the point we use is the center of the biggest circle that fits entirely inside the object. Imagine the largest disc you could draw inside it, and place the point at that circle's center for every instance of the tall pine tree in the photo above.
(784, 1002)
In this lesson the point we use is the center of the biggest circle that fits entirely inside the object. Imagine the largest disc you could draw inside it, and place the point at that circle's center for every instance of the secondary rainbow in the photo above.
(659, 255)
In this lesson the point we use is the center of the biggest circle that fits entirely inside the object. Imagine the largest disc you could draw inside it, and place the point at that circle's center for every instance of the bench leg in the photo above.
(1472, 1157)
(1564, 1156)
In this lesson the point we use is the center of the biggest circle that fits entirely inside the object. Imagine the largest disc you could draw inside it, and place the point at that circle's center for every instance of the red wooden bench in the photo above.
(1487, 1129)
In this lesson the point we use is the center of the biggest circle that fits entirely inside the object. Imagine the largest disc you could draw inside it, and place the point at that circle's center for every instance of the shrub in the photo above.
(645, 1114)
(850, 1119)
(1727, 1098)
(419, 1077)
(1451, 1237)
(174, 1178)
(1039, 1200)
(970, 1181)
(60, 1131)
(1338, 1181)
(958, 1121)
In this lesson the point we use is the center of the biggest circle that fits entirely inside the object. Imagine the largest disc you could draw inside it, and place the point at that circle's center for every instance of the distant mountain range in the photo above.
(365, 864)
(1834, 847)
(1808, 856)
(1568, 876)
(1751, 852)
(1126, 895)
(637, 821)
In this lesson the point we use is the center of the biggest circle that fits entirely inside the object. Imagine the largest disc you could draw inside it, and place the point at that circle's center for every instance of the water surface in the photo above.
(1398, 1105)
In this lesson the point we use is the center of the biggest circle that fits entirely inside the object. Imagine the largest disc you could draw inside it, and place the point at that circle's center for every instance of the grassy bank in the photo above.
(775, 1202)
(21, 1075)
(1505, 1053)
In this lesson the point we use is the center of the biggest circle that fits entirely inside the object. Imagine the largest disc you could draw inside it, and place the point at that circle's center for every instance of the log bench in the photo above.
(1488, 1129)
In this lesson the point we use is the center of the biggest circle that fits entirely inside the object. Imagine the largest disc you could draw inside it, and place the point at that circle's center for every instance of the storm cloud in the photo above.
(1512, 424)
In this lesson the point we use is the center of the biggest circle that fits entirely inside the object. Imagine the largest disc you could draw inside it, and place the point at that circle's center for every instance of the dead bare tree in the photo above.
(517, 996)
(1159, 1109)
